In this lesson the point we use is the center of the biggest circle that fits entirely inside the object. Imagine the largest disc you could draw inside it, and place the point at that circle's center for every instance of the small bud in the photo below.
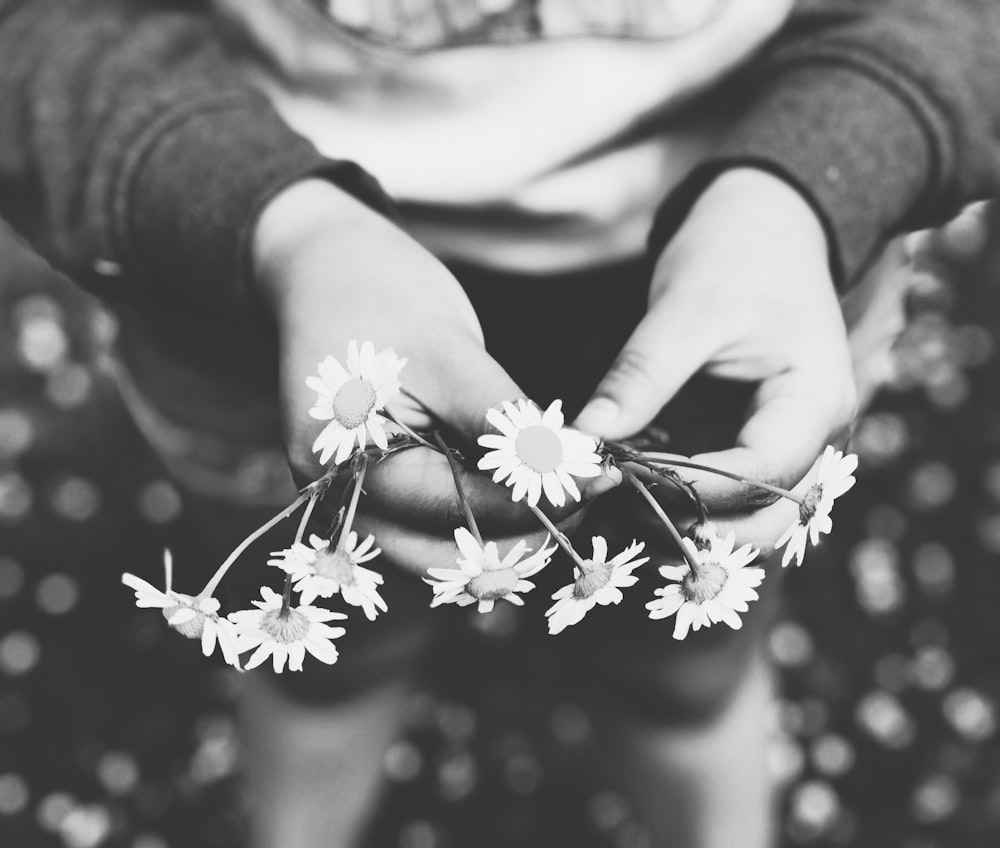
(702, 533)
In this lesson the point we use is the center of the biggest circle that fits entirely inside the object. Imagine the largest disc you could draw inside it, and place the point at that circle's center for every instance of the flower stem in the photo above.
(674, 479)
(213, 584)
(352, 507)
(561, 538)
(643, 490)
(413, 434)
(306, 515)
(470, 517)
(681, 462)
(286, 597)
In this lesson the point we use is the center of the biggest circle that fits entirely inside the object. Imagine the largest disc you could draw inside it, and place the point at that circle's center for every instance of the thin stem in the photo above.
(674, 479)
(470, 517)
(669, 459)
(306, 515)
(352, 507)
(561, 538)
(286, 597)
(212, 584)
(413, 434)
(671, 527)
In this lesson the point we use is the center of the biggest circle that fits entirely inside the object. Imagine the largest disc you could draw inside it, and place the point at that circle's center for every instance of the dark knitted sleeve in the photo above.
(133, 156)
(885, 114)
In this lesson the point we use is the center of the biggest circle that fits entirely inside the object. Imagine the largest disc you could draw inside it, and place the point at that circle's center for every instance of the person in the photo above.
(159, 155)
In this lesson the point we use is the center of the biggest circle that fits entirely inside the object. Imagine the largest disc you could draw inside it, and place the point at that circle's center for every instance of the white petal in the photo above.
(208, 637)
(346, 446)
(553, 489)
(296, 653)
(262, 653)
(600, 545)
(321, 649)
(553, 416)
(502, 423)
(378, 432)
(534, 488)
(685, 617)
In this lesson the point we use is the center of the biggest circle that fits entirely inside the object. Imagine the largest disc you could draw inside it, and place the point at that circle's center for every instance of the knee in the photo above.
(689, 686)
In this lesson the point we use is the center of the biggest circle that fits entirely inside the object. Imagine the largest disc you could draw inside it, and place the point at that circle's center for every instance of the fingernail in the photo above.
(598, 416)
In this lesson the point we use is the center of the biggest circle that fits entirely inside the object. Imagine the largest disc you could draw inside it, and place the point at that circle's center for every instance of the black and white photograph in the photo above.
(499, 423)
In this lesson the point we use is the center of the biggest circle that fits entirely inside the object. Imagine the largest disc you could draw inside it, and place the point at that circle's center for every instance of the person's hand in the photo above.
(743, 292)
(332, 270)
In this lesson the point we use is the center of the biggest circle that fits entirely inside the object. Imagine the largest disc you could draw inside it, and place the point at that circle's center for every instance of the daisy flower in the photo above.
(351, 399)
(834, 476)
(535, 453)
(286, 634)
(483, 577)
(195, 618)
(324, 569)
(599, 582)
(720, 587)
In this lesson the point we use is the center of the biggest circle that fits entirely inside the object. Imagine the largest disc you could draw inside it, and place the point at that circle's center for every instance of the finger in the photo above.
(675, 499)
(760, 528)
(795, 415)
(763, 527)
(962, 239)
(659, 357)
(457, 386)
(416, 487)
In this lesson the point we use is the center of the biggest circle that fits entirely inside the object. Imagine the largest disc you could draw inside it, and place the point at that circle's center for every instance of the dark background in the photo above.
(115, 732)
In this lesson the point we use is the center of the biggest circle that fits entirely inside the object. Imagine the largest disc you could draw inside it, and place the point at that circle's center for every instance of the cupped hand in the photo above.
(331, 271)
(742, 292)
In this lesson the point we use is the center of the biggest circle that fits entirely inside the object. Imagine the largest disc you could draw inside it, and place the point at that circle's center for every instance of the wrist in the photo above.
(308, 215)
(766, 202)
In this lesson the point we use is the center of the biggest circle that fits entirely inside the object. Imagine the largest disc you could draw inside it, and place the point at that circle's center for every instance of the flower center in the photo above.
(493, 585)
(353, 402)
(191, 628)
(287, 628)
(336, 565)
(539, 448)
(811, 499)
(707, 584)
(592, 581)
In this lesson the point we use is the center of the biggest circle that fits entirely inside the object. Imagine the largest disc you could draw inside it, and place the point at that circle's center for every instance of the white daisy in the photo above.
(323, 570)
(535, 453)
(286, 635)
(721, 587)
(600, 582)
(351, 399)
(195, 618)
(483, 577)
(834, 476)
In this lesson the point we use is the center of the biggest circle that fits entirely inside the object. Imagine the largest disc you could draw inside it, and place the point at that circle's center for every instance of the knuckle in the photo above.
(633, 367)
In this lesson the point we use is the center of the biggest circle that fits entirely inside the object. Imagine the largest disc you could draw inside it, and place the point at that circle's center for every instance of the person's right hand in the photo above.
(332, 270)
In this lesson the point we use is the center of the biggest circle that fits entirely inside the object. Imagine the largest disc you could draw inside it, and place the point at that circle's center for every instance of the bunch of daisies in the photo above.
(531, 452)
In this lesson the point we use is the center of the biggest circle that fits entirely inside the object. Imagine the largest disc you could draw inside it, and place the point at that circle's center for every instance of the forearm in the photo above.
(127, 136)
(881, 114)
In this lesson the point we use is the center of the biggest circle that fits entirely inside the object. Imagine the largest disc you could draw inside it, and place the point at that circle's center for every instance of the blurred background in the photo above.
(116, 732)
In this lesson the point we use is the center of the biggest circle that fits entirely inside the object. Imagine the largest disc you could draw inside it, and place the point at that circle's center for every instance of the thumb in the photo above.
(662, 353)
(461, 384)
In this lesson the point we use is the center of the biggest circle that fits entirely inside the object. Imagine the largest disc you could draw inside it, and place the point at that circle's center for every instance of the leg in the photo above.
(314, 771)
(702, 786)
(683, 726)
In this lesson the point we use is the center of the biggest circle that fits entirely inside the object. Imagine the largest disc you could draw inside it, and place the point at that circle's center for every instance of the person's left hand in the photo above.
(742, 292)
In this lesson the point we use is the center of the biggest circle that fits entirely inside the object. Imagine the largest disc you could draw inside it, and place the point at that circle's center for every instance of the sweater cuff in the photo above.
(190, 191)
(853, 147)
